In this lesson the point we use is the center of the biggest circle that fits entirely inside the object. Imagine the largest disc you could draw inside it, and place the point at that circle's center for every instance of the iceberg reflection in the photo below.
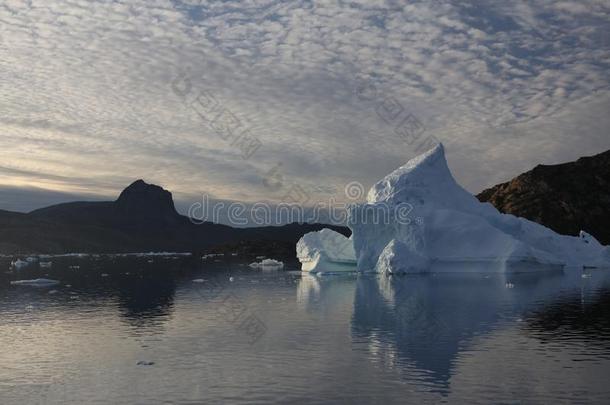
(425, 322)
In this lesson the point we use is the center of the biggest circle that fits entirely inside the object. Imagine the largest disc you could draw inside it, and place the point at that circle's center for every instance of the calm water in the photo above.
(129, 331)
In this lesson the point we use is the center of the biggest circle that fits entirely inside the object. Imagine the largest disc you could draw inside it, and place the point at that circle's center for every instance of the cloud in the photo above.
(88, 106)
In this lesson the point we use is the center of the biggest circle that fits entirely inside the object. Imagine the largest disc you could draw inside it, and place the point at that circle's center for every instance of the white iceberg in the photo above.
(267, 264)
(38, 282)
(326, 251)
(17, 264)
(418, 218)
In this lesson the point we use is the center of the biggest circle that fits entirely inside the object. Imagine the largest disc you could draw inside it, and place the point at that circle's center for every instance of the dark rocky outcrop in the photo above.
(567, 197)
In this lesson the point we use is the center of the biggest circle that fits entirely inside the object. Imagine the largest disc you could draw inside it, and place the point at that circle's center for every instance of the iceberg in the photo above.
(17, 264)
(326, 251)
(267, 264)
(38, 282)
(419, 219)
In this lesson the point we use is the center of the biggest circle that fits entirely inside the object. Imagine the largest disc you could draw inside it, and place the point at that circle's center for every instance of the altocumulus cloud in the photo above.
(87, 103)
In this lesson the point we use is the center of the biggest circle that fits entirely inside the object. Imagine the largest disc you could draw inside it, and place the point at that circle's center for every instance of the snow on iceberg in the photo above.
(327, 251)
(267, 264)
(418, 218)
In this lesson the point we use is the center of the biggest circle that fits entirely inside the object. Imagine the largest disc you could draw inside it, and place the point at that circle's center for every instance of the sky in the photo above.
(248, 100)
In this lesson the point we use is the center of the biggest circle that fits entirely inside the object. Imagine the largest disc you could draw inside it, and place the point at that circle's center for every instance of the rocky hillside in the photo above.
(567, 197)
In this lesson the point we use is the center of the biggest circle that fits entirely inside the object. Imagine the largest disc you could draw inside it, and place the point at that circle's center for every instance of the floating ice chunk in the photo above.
(46, 264)
(267, 264)
(327, 251)
(17, 264)
(211, 255)
(198, 280)
(38, 282)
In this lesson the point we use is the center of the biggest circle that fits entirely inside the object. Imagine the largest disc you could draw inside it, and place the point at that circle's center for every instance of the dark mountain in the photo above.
(143, 218)
(567, 198)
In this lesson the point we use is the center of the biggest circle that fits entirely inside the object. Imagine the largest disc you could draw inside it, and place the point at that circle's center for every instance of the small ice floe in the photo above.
(104, 275)
(234, 254)
(17, 264)
(267, 264)
(586, 275)
(211, 255)
(46, 265)
(151, 261)
(151, 254)
(145, 363)
(231, 279)
(260, 257)
(38, 282)
(53, 292)
(198, 280)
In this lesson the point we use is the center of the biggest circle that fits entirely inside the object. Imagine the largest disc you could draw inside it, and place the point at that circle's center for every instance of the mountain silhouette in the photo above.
(143, 218)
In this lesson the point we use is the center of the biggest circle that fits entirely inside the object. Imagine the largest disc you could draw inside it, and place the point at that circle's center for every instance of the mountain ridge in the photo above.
(142, 218)
(566, 197)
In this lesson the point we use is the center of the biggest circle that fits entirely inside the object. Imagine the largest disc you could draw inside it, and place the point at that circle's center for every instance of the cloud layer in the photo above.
(88, 104)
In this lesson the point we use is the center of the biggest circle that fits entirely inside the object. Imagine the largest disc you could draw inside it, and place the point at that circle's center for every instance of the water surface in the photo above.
(126, 330)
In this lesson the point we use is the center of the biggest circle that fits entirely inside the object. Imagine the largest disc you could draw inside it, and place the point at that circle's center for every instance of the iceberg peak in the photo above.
(431, 166)
(426, 183)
